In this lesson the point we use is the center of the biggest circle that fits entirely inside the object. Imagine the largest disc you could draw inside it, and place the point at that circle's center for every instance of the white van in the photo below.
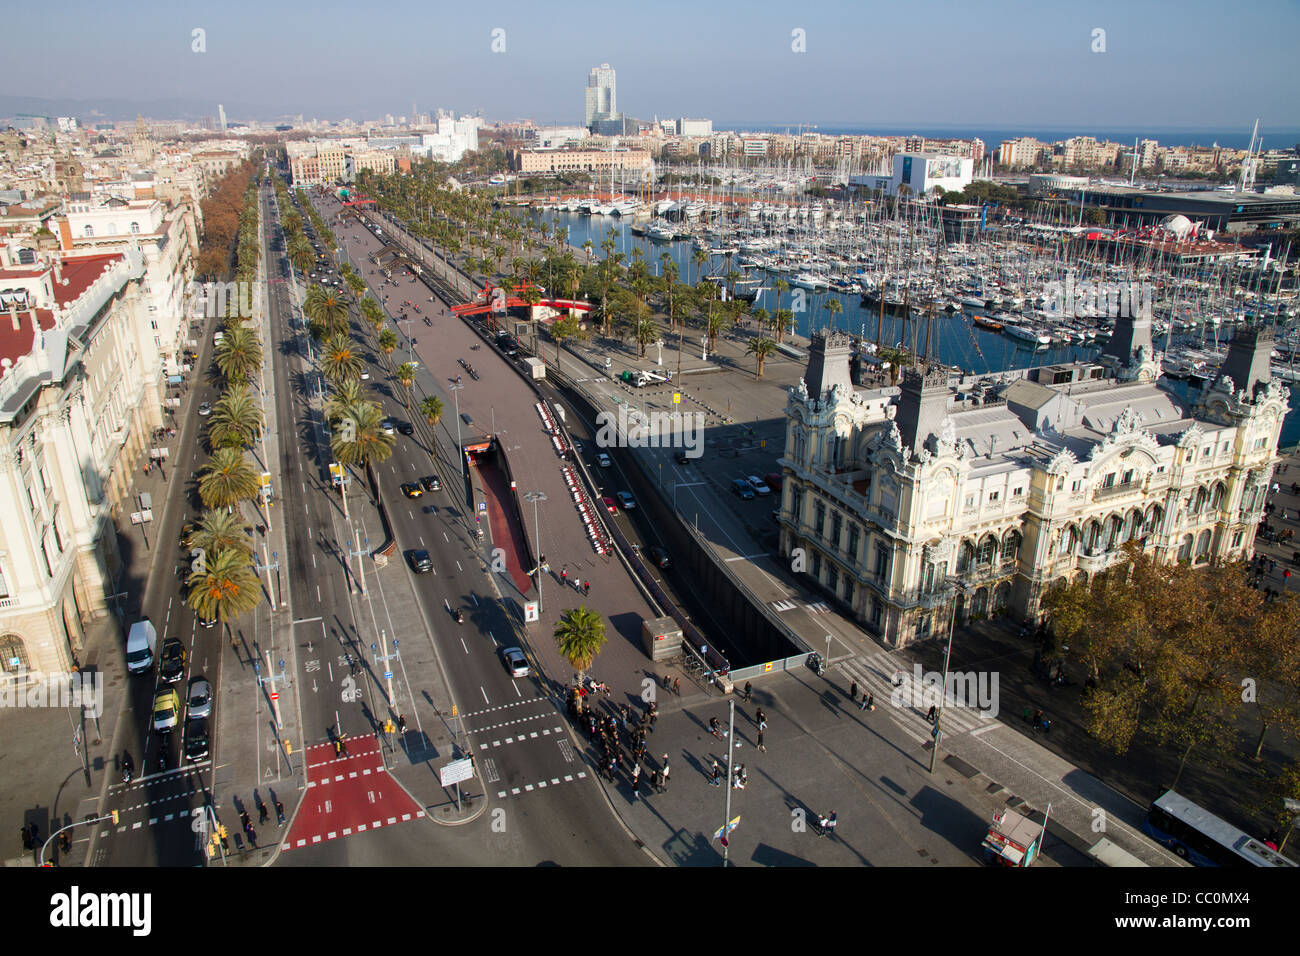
(141, 646)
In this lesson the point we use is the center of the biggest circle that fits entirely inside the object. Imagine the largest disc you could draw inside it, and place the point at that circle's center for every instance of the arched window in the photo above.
(1185, 548)
(135, 227)
(987, 547)
(1202, 497)
(965, 557)
(1203, 547)
(1216, 500)
(1113, 528)
(1094, 536)
(13, 655)
(1152, 519)
(89, 231)
(1010, 546)
(112, 229)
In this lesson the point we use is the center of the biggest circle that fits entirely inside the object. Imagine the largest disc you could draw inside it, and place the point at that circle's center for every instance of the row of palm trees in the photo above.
(222, 584)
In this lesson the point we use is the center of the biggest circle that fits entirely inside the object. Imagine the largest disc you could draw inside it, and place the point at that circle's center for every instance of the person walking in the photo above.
(677, 686)
(761, 748)
(636, 782)
(853, 691)
(760, 718)
(262, 813)
(663, 773)
(586, 588)
(564, 575)
(749, 691)
(279, 812)
(716, 779)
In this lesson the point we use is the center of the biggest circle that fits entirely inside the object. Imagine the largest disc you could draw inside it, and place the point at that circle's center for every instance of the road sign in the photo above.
(456, 771)
(677, 398)
(275, 695)
(482, 506)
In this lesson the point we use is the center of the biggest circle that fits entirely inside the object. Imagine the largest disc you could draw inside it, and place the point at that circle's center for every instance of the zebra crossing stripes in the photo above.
(817, 607)
(820, 607)
(783, 605)
(907, 704)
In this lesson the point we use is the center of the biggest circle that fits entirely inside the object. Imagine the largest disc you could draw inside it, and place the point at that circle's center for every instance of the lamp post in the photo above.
(460, 450)
(534, 497)
(957, 588)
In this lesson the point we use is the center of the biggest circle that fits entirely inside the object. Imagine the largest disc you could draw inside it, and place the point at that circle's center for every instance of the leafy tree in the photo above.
(236, 419)
(432, 409)
(760, 347)
(226, 589)
(239, 353)
(339, 359)
(220, 530)
(227, 479)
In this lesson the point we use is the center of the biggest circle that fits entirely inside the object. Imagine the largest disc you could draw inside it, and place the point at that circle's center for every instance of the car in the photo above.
(387, 426)
(172, 667)
(742, 488)
(430, 483)
(205, 409)
(166, 709)
(774, 480)
(365, 376)
(419, 561)
(515, 661)
(411, 489)
(610, 506)
(406, 428)
(207, 621)
(196, 738)
(683, 458)
(757, 484)
(660, 557)
(626, 500)
(603, 460)
(198, 701)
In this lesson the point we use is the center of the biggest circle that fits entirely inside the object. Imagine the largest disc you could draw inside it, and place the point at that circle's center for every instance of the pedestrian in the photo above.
(27, 836)
(677, 686)
(262, 813)
(668, 682)
(715, 727)
(853, 691)
(863, 705)
(401, 724)
(871, 702)
(930, 714)
(664, 768)
(586, 588)
(830, 823)
(749, 691)
(761, 748)
(279, 812)
(717, 774)
(564, 576)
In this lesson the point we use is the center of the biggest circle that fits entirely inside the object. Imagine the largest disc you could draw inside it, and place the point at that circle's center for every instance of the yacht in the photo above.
(806, 280)
(661, 232)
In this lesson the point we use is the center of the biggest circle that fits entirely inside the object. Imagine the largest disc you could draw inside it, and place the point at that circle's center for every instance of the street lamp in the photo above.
(460, 449)
(957, 588)
(534, 497)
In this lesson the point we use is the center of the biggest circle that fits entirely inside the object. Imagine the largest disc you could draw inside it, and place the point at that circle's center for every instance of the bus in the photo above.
(1201, 838)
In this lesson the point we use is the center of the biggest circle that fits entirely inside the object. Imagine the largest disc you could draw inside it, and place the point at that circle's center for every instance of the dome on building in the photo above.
(1180, 226)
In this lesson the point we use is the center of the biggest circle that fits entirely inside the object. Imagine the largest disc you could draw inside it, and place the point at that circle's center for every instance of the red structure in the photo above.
(483, 303)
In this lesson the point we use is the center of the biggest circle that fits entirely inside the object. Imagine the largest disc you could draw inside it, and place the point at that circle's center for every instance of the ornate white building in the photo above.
(909, 498)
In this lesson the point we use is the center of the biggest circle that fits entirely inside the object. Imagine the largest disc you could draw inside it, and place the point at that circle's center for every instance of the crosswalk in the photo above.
(907, 702)
(818, 607)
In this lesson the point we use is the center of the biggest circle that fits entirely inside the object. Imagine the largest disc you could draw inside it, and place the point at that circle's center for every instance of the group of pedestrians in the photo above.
(621, 738)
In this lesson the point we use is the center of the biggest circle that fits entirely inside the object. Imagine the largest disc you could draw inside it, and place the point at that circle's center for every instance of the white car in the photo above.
(388, 426)
(205, 409)
(760, 487)
(515, 661)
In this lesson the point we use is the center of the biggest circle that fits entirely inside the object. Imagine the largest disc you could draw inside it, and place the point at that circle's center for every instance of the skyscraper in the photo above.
(601, 103)
(221, 116)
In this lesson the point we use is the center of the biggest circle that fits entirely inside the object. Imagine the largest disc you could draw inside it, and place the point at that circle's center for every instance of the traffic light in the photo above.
(113, 813)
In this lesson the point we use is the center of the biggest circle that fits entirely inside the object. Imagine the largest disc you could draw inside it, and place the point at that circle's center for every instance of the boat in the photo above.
(806, 280)
(660, 232)
(985, 322)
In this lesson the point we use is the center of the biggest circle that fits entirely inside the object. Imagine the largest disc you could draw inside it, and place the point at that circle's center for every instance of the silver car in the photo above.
(198, 702)
(515, 661)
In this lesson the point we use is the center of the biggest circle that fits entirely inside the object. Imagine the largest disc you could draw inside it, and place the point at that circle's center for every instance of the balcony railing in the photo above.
(1117, 491)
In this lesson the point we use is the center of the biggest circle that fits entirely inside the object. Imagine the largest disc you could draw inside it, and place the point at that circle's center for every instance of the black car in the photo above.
(660, 557)
(430, 483)
(406, 428)
(173, 660)
(196, 738)
(420, 561)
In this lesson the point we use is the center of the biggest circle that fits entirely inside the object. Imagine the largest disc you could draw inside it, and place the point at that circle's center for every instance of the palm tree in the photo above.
(227, 479)
(784, 323)
(339, 360)
(645, 331)
(781, 287)
(372, 313)
(699, 257)
(346, 394)
(225, 589)
(760, 347)
(236, 420)
(580, 635)
(565, 328)
(220, 530)
(834, 307)
(670, 278)
(327, 310)
(405, 374)
(432, 409)
(364, 441)
(760, 318)
(387, 341)
(239, 353)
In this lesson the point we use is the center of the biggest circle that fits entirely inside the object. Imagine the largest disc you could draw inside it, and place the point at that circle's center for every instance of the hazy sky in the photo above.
(1000, 63)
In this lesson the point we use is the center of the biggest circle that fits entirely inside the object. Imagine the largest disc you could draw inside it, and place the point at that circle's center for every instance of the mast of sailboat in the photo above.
(1132, 176)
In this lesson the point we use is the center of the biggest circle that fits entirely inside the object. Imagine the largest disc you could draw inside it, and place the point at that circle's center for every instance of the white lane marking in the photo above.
(485, 696)
(458, 567)
(517, 692)
(420, 538)
(445, 538)
(464, 645)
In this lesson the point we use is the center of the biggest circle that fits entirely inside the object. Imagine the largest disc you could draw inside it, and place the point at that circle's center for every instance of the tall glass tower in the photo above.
(601, 103)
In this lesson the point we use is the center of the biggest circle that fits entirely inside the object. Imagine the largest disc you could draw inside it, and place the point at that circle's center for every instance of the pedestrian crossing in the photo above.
(541, 785)
(821, 607)
(907, 702)
(521, 737)
(783, 605)
(818, 607)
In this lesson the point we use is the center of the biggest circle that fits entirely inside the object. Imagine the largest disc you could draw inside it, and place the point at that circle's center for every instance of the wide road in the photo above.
(551, 810)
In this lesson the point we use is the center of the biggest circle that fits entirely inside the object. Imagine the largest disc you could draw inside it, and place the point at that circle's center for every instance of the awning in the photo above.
(174, 379)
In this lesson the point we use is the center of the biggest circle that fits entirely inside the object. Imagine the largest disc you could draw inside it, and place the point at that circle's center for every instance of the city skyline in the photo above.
(995, 66)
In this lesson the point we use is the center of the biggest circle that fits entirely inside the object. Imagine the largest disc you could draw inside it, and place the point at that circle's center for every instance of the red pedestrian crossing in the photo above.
(347, 795)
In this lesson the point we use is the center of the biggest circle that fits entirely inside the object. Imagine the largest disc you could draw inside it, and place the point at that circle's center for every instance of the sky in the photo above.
(999, 63)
